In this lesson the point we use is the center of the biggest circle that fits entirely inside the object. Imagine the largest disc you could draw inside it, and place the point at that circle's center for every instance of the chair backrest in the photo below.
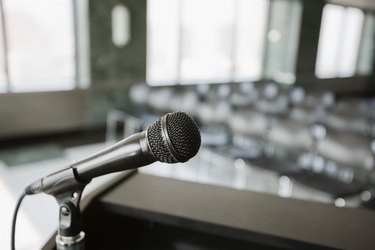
(249, 122)
(349, 120)
(214, 112)
(349, 149)
(291, 135)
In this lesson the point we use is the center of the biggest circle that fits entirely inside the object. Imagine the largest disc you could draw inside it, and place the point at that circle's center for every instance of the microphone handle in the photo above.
(130, 153)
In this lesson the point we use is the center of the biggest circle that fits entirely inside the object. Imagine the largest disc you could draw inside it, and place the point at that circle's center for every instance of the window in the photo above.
(251, 27)
(162, 41)
(206, 40)
(3, 80)
(366, 50)
(40, 50)
(203, 41)
(282, 40)
(340, 40)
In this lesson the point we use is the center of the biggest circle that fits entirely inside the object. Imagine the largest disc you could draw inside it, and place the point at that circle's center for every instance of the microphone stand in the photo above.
(70, 235)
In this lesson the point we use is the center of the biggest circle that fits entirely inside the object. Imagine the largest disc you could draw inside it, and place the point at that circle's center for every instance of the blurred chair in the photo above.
(186, 101)
(244, 95)
(249, 123)
(128, 125)
(138, 94)
(317, 187)
(213, 118)
(339, 165)
(248, 129)
(290, 138)
(363, 107)
(348, 149)
(286, 142)
(307, 114)
(349, 120)
(272, 101)
(159, 99)
(321, 98)
(214, 113)
(296, 95)
(314, 108)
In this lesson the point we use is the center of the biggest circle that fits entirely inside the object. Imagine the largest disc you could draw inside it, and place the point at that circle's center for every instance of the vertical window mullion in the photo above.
(179, 41)
(364, 64)
(82, 41)
(263, 73)
(5, 47)
(282, 39)
(76, 56)
(234, 41)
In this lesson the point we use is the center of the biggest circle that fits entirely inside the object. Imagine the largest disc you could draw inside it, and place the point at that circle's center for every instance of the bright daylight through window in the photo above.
(185, 45)
(40, 45)
(345, 34)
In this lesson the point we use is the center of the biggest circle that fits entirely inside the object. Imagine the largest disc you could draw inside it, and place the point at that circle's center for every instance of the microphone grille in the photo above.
(176, 140)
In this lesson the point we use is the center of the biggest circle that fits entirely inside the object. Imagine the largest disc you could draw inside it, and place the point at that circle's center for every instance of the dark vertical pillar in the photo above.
(113, 69)
(309, 39)
(109, 62)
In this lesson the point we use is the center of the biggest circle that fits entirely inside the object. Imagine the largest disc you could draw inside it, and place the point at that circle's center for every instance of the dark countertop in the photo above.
(242, 214)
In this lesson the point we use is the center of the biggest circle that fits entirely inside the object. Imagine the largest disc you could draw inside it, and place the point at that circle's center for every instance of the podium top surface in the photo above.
(241, 214)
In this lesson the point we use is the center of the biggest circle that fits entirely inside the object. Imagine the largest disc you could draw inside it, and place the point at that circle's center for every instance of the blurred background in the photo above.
(283, 91)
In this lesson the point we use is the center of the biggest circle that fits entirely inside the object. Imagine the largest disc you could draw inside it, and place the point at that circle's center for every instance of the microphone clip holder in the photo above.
(70, 235)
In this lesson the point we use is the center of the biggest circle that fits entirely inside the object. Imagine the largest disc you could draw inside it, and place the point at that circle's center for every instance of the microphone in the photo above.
(173, 138)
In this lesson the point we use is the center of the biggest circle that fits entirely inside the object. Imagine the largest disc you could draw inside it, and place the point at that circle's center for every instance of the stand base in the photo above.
(71, 243)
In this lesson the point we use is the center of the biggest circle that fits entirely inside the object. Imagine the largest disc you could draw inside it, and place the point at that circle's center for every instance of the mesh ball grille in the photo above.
(158, 145)
(184, 136)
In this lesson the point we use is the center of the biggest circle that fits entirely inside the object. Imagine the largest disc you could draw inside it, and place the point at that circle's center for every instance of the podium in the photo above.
(140, 211)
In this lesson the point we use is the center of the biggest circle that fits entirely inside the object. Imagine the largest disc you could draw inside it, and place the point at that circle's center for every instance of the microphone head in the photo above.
(175, 137)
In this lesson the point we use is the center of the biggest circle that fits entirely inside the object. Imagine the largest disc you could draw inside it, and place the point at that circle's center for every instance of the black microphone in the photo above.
(175, 137)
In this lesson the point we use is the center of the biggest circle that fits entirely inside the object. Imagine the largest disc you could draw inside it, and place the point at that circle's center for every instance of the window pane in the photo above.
(339, 41)
(3, 83)
(329, 40)
(207, 28)
(366, 53)
(162, 41)
(350, 42)
(40, 44)
(282, 40)
(251, 26)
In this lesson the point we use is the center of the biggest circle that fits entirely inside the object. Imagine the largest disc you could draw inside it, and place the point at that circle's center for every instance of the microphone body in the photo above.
(130, 153)
(175, 137)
